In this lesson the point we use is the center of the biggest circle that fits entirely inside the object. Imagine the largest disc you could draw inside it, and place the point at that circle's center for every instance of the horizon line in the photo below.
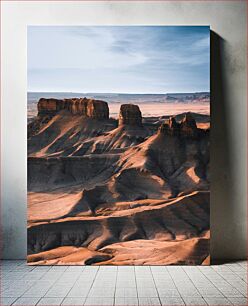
(123, 93)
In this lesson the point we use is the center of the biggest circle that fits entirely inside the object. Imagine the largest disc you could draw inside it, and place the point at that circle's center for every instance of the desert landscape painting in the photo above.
(118, 133)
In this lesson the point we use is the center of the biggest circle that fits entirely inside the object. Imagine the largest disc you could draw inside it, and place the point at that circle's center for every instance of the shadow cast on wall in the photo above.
(223, 226)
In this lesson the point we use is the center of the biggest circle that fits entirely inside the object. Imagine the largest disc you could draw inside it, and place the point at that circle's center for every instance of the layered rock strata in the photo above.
(187, 127)
(130, 114)
(91, 108)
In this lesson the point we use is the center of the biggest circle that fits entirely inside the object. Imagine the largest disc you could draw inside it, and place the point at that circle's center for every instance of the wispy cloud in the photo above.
(148, 58)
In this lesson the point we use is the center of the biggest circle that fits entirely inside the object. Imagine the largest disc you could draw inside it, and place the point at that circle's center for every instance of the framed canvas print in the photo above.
(118, 145)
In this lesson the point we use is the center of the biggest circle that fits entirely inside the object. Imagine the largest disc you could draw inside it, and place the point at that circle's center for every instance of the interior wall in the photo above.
(228, 103)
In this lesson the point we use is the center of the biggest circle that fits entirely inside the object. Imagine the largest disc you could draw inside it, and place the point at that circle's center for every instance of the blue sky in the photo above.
(118, 59)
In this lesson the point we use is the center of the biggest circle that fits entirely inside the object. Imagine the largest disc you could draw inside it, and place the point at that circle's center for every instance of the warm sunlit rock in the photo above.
(91, 108)
(130, 114)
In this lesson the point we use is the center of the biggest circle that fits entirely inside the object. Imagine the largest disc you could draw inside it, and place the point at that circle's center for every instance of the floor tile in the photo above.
(104, 283)
(26, 301)
(50, 301)
(238, 301)
(79, 291)
(149, 301)
(230, 292)
(189, 292)
(99, 301)
(58, 268)
(148, 283)
(194, 301)
(165, 284)
(217, 301)
(126, 283)
(73, 301)
(210, 292)
(7, 301)
(38, 290)
(120, 301)
(147, 292)
(165, 292)
(12, 293)
(107, 292)
(41, 268)
(58, 291)
(126, 292)
(125, 269)
(171, 301)
(75, 269)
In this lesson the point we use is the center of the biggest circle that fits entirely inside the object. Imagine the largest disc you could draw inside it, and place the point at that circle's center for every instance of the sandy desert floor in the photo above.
(148, 109)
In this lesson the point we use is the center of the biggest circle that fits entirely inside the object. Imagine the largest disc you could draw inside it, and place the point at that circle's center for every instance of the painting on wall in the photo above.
(118, 145)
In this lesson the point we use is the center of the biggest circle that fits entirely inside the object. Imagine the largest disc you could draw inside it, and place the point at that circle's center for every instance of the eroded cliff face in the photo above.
(130, 114)
(91, 108)
(188, 125)
(83, 107)
(105, 191)
(187, 128)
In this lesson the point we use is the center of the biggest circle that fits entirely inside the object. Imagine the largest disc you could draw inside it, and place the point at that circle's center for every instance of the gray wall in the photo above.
(229, 96)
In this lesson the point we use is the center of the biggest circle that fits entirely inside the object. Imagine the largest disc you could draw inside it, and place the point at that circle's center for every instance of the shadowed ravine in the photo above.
(102, 191)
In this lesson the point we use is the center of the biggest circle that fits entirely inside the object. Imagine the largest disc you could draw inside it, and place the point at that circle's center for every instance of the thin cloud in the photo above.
(119, 58)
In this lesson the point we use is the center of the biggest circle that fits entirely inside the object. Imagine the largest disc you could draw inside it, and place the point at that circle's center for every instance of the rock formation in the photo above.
(171, 128)
(102, 194)
(187, 127)
(173, 124)
(91, 108)
(97, 109)
(49, 106)
(130, 114)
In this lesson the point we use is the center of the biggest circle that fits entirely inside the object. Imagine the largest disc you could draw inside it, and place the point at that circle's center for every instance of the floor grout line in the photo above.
(115, 284)
(155, 286)
(192, 283)
(72, 285)
(175, 285)
(231, 284)
(212, 284)
(136, 286)
(92, 284)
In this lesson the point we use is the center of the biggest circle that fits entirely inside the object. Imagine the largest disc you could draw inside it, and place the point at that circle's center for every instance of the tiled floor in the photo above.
(141, 285)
